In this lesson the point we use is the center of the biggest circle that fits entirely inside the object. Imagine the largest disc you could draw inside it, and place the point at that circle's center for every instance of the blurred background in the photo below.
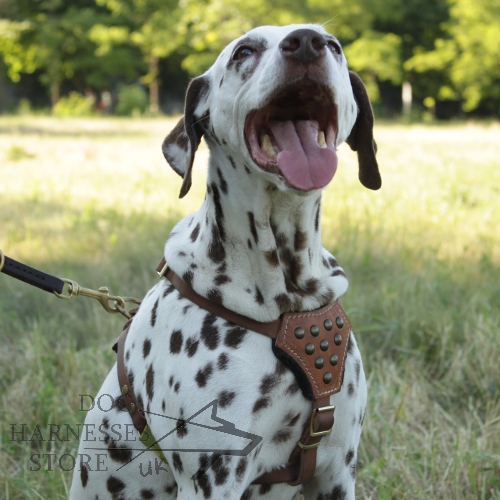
(422, 59)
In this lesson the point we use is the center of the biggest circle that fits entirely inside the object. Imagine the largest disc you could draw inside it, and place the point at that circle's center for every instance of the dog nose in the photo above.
(303, 45)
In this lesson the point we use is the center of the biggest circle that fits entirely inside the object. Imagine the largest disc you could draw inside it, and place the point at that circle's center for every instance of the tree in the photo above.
(468, 52)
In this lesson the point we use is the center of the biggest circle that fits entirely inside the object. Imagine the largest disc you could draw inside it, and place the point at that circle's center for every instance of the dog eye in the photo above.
(242, 53)
(334, 47)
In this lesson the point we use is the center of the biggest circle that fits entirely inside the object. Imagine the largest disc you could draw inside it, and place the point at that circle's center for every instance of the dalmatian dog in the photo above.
(273, 109)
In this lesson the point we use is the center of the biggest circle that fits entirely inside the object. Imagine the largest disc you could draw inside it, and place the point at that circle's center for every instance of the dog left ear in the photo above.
(361, 137)
(180, 145)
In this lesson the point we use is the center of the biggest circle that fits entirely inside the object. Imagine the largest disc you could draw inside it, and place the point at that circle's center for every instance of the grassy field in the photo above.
(93, 200)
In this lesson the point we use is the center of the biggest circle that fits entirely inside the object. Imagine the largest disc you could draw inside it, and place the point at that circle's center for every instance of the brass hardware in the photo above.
(131, 409)
(299, 333)
(125, 390)
(337, 339)
(311, 425)
(339, 321)
(2, 260)
(308, 446)
(309, 349)
(111, 303)
(163, 271)
(328, 324)
(314, 330)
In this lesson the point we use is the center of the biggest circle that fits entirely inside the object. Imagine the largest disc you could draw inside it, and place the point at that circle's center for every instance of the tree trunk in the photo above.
(407, 99)
(54, 93)
(154, 94)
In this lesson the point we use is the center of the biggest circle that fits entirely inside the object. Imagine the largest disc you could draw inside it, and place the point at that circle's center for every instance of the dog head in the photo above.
(278, 100)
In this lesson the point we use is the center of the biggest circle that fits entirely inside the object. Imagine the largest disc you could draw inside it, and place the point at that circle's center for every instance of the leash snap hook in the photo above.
(111, 303)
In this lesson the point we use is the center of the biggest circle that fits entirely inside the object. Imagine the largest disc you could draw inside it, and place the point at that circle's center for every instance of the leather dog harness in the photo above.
(313, 344)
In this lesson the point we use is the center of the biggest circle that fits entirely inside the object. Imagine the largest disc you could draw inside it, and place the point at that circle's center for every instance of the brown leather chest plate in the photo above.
(317, 341)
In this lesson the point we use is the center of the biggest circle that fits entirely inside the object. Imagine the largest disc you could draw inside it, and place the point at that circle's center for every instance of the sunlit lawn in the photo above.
(93, 200)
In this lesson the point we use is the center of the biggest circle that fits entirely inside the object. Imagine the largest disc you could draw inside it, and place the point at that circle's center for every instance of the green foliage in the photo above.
(132, 101)
(74, 104)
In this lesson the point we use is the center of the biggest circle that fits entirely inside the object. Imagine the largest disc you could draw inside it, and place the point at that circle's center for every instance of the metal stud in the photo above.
(339, 321)
(309, 349)
(299, 333)
(334, 359)
(337, 339)
(319, 363)
(328, 324)
(125, 390)
(324, 345)
(131, 409)
(327, 378)
(314, 330)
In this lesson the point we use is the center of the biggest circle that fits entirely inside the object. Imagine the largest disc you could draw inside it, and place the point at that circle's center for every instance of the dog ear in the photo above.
(180, 145)
(361, 137)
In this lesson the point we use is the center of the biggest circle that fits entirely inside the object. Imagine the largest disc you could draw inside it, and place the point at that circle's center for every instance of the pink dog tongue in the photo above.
(302, 161)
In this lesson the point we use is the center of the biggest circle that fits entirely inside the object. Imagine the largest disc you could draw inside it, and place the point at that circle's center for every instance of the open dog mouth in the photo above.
(294, 136)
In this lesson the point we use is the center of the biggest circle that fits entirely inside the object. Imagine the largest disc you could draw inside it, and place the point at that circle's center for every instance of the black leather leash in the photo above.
(30, 275)
(53, 284)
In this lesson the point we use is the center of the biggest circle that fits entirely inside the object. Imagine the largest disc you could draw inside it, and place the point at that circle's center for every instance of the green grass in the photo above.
(93, 200)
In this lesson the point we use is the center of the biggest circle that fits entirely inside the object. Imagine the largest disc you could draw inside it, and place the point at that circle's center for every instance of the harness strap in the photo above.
(301, 465)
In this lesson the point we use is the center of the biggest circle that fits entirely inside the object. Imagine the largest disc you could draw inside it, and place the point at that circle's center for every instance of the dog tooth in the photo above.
(321, 139)
(267, 145)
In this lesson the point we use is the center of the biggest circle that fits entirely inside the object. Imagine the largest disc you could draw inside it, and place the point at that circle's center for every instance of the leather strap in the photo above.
(128, 395)
(30, 275)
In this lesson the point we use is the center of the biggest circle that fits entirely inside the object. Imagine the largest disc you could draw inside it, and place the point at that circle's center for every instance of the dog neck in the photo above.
(253, 248)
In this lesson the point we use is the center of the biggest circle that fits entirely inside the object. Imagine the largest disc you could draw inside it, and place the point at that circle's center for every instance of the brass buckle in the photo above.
(311, 428)
(163, 271)
(311, 425)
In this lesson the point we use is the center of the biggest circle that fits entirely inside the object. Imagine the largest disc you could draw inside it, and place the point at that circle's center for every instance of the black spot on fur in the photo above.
(177, 386)
(223, 183)
(268, 383)
(177, 462)
(349, 456)
(119, 453)
(221, 472)
(222, 361)
(181, 428)
(153, 313)
(337, 272)
(265, 488)
(219, 214)
(260, 404)
(191, 347)
(316, 219)
(147, 494)
(333, 262)
(253, 228)
(105, 423)
(282, 436)
(188, 277)
(233, 164)
(291, 420)
(235, 336)
(127, 356)
(195, 233)
(352, 470)
(338, 493)
(226, 398)
(350, 389)
(283, 302)
(350, 345)
(216, 250)
(222, 279)
(214, 295)
(300, 239)
(203, 375)
(84, 475)
(311, 285)
(171, 381)
(168, 290)
(146, 348)
(209, 332)
(272, 258)
(176, 341)
(259, 298)
(249, 244)
(247, 494)
(114, 485)
(241, 468)
(150, 382)
(357, 370)
(293, 388)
